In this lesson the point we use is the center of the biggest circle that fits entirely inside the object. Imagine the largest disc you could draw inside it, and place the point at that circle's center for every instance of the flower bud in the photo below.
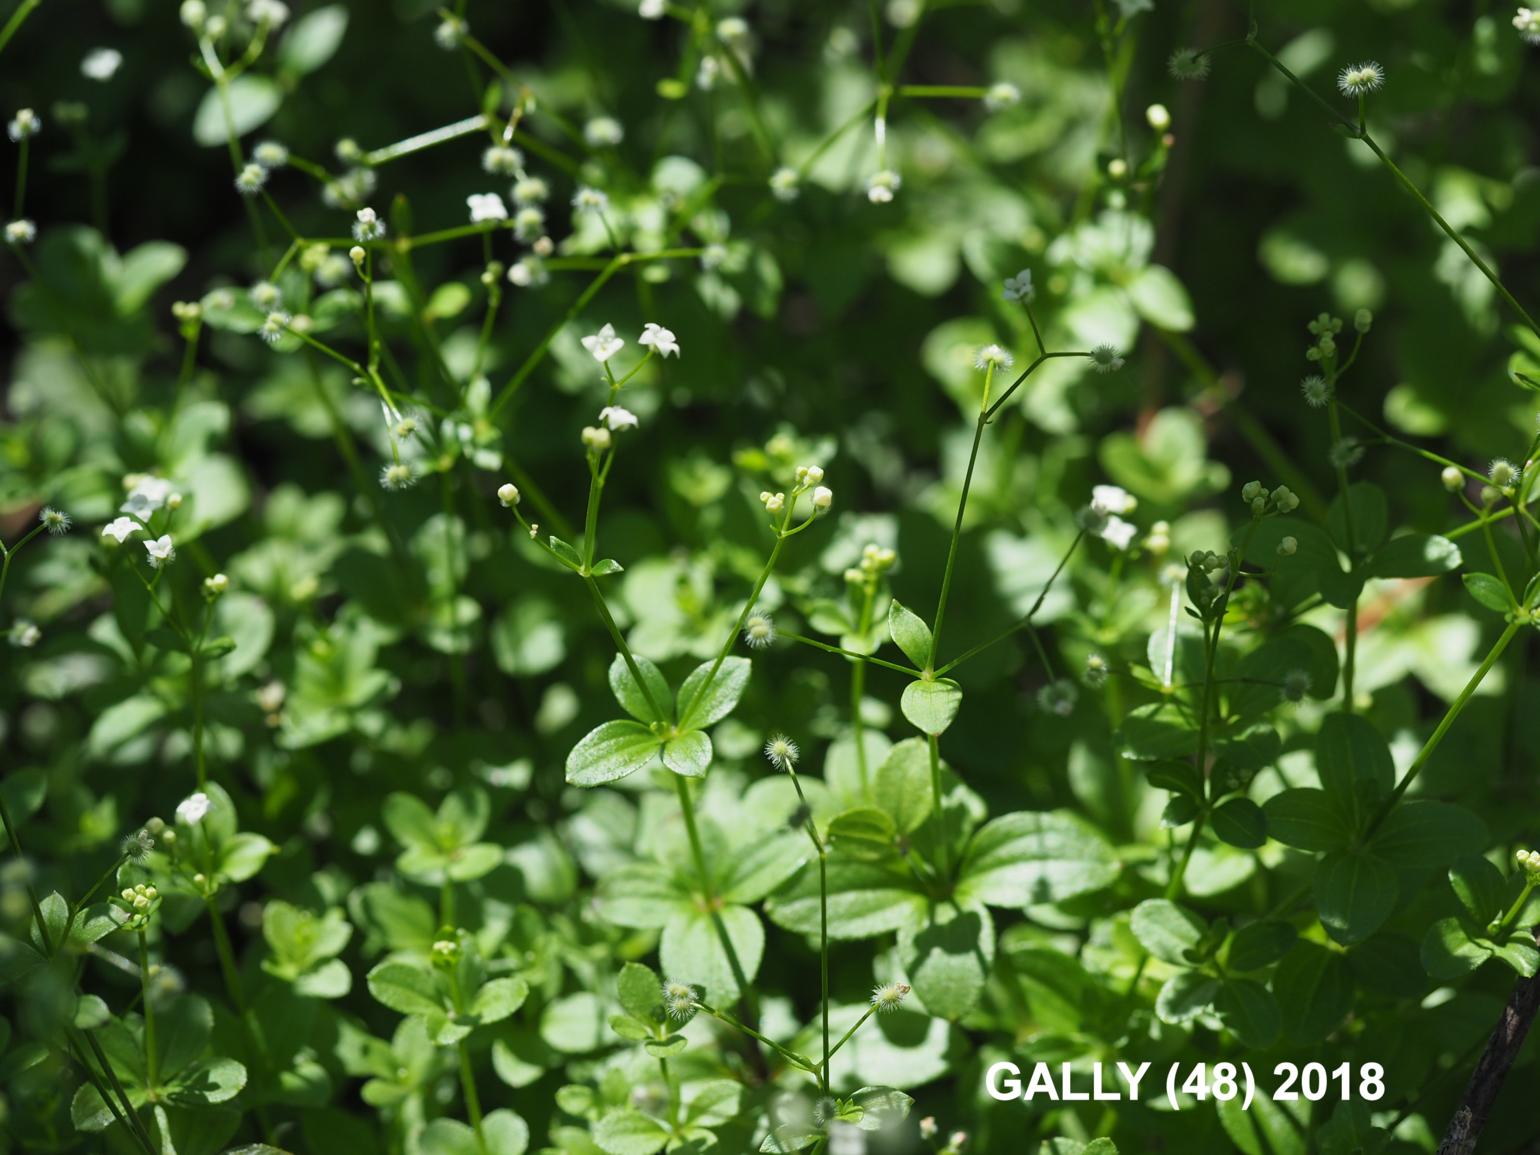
(508, 494)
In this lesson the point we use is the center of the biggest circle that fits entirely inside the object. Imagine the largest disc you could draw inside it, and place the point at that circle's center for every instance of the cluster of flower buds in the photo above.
(215, 587)
(1529, 862)
(1324, 329)
(447, 948)
(875, 561)
(1280, 500)
(140, 901)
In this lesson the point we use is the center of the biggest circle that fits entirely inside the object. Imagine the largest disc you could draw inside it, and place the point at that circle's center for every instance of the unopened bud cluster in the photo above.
(875, 561)
(1280, 500)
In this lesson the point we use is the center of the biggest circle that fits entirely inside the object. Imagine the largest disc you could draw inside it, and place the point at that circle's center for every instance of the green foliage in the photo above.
(708, 572)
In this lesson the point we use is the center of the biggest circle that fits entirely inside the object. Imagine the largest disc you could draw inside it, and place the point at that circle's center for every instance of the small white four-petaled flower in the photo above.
(192, 809)
(486, 207)
(604, 344)
(617, 418)
(120, 529)
(662, 341)
(162, 552)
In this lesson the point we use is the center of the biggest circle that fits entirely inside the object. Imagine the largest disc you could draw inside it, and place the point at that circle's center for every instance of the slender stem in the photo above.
(845, 1038)
(1026, 620)
(151, 1058)
(435, 136)
(1358, 130)
(620, 645)
(708, 892)
(472, 1100)
(801, 1062)
(943, 851)
(1518, 905)
(127, 1114)
(1211, 648)
(862, 658)
(858, 688)
(226, 956)
(18, 17)
(957, 524)
(1443, 726)
(1340, 467)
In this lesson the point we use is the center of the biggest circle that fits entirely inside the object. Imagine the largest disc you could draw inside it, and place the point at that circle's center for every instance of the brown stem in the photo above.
(1486, 1081)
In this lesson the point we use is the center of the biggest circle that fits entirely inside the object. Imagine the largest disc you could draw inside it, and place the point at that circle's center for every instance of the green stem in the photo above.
(708, 892)
(1518, 905)
(801, 1062)
(943, 851)
(151, 1059)
(1443, 726)
(472, 1100)
(862, 658)
(436, 136)
(18, 18)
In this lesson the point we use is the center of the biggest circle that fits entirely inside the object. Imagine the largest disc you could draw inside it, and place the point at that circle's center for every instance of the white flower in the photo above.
(785, 184)
(486, 207)
(24, 125)
(662, 341)
(530, 190)
(502, 160)
(1359, 79)
(101, 64)
(1019, 287)
(162, 552)
(25, 634)
(529, 223)
(651, 9)
(527, 272)
(603, 132)
(449, 33)
(1109, 499)
(1527, 21)
(121, 529)
(603, 344)
(270, 154)
(368, 226)
(145, 495)
(1001, 96)
(1117, 533)
(192, 809)
(617, 418)
(270, 12)
(882, 185)
(508, 494)
(823, 498)
(590, 200)
(20, 232)
(993, 356)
